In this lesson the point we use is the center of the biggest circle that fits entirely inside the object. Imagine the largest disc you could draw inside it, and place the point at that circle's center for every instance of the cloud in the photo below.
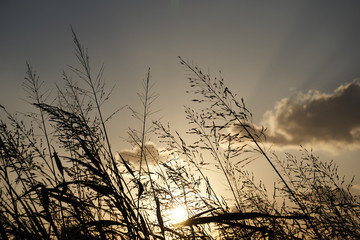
(356, 189)
(242, 135)
(151, 154)
(317, 118)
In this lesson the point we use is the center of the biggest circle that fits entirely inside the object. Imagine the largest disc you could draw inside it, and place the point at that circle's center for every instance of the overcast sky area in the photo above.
(296, 63)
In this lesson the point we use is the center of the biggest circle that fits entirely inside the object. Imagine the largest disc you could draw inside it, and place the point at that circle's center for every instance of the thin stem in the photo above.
(35, 87)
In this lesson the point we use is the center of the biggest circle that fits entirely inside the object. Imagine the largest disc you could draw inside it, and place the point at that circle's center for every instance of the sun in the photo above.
(177, 214)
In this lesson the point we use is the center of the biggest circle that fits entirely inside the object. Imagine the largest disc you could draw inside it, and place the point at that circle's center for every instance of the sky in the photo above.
(296, 63)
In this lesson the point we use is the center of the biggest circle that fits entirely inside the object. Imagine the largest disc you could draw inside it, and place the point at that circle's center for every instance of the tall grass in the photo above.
(61, 179)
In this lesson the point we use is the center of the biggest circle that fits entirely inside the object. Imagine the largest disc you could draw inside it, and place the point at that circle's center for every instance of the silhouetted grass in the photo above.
(60, 178)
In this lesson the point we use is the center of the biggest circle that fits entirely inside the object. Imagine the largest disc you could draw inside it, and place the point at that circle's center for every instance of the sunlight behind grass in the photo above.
(61, 180)
(176, 214)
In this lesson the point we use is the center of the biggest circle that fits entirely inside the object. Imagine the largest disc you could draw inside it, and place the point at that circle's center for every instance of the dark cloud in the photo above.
(317, 118)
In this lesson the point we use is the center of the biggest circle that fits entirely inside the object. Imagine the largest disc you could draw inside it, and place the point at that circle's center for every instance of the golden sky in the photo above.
(294, 62)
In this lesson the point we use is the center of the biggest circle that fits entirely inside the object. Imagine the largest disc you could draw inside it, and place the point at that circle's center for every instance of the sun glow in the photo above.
(177, 214)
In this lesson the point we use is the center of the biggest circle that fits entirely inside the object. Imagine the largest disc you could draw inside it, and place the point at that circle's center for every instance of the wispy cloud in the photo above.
(317, 118)
(151, 153)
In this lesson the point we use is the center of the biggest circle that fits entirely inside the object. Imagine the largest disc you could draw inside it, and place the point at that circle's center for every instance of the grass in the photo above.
(61, 179)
